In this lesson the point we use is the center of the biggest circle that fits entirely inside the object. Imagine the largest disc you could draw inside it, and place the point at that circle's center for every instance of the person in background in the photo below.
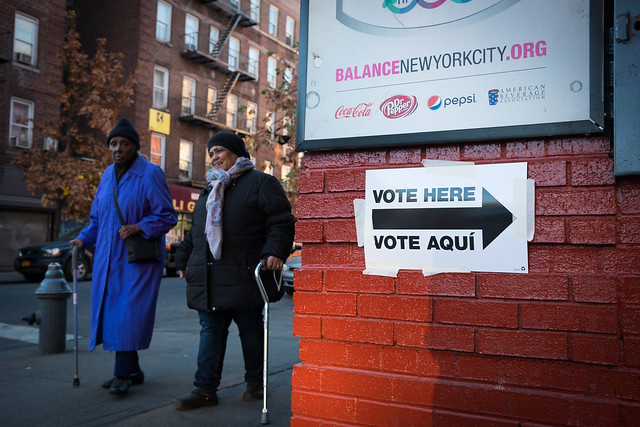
(241, 217)
(123, 294)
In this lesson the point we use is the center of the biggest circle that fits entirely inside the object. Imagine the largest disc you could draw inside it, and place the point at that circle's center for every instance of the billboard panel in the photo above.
(397, 72)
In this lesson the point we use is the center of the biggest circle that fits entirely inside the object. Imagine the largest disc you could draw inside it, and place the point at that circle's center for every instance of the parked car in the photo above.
(291, 264)
(33, 261)
(170, 261)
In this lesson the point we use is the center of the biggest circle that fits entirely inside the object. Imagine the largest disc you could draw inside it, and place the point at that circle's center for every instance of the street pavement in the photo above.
(37, 389)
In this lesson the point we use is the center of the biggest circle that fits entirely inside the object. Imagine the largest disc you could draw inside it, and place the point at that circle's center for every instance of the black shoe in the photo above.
(120, 386)
(134, 379)
(253, 392)
(196, 399)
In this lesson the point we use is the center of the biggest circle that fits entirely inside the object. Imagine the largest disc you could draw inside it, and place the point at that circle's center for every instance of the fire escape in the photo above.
(203, 115)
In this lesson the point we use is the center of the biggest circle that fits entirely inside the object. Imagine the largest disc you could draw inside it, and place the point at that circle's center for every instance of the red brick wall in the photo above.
(560, 345)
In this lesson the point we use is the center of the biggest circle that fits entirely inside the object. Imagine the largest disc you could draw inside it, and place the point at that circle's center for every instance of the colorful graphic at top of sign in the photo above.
(404, 6)
(401, 15)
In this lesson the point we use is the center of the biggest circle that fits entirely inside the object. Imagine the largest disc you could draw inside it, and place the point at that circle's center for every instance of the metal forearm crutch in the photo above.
(265, 364)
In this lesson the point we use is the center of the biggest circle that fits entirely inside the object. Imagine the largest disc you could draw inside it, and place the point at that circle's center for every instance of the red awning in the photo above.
(184, 198)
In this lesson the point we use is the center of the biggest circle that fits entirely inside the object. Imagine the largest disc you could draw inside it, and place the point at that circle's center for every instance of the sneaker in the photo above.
(253, 392)
(196, 399)
(134, 379)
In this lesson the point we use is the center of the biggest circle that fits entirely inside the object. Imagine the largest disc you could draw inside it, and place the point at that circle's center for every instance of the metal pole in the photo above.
(265, 365)
(74, 263)
(265, 360)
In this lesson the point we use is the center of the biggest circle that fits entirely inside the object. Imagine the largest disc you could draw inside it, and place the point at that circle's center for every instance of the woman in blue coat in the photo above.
(123, 294)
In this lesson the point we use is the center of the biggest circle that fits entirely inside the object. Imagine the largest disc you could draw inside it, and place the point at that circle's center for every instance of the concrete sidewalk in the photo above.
(37, 389)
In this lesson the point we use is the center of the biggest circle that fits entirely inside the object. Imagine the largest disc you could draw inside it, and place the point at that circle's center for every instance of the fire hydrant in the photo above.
(53, 294)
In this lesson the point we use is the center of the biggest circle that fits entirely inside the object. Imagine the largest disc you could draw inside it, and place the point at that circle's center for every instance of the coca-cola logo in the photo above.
(360, 110)
(399, 106)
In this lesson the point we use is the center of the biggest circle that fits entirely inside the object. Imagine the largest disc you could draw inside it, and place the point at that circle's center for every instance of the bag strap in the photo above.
(115, 199)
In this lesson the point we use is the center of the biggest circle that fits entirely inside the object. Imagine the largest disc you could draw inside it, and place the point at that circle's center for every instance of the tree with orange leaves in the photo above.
(66, 175)
(280, 128)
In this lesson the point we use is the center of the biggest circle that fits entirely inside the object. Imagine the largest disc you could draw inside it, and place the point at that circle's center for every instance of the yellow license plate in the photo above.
(25, 263)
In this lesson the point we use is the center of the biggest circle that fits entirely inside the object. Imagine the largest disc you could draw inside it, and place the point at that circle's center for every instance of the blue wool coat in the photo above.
(123, 295)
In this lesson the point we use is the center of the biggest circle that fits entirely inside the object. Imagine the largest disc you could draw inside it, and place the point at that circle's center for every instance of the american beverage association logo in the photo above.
(361, 110)
(399, 106)
(524, 93)
(404, 6)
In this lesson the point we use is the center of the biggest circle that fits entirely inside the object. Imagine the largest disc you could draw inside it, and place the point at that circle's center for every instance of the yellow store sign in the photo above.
(159, 121)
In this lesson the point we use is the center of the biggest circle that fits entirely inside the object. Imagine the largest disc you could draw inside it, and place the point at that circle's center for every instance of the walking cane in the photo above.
(74, 264)
(265, 361)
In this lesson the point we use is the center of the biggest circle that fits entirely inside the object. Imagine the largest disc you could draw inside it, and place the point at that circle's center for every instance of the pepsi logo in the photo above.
(434, 102)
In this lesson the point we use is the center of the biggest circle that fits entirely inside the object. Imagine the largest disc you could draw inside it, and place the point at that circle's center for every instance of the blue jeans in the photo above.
(213, 343)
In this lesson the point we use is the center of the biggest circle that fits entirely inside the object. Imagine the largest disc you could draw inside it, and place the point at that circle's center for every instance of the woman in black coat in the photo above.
(241, 217)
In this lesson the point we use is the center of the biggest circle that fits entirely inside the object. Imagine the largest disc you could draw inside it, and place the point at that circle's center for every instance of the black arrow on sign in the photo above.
(492, 218)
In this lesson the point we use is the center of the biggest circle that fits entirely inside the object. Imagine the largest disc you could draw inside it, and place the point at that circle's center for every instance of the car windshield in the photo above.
(71, 234)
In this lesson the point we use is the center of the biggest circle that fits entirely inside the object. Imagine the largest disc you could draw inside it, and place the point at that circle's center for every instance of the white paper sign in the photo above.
(446, 219)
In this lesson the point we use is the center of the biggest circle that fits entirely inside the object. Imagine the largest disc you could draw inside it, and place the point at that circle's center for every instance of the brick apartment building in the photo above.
(201, 67)
(31, 35)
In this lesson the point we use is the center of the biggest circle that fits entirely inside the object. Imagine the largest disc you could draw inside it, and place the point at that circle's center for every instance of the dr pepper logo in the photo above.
(399, 106)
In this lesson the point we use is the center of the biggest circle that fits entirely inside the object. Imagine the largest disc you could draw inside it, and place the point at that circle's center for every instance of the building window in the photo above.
(160, 87)
(158, 143)
(25, 40)
(268, 167)
(272, 72)
(254, 62)
(234, 53)
(284, 172)
(214, 36)
(186, 159)
(273, 21)
(286, 122)
(207, 160)
(254, 10)
(289, 30)
(232, 111)
(212, 95)
(252, 114)
(288, 75)
(163, 22)
(21, 132)
(188, 96)
(50, 144)
(269, 124)
(191, 32)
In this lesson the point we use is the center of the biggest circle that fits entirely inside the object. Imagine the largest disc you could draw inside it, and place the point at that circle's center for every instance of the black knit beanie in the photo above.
(126, 129)
(230, 141)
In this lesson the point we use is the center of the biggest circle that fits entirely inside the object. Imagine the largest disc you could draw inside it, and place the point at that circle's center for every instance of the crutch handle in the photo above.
(256, 272)
(74, 257)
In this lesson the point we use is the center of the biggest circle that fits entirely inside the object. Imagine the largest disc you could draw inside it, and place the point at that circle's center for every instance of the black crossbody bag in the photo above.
(139, 249)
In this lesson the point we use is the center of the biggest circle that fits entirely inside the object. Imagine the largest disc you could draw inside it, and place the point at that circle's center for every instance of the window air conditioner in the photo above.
(23, 58)
(17, 142)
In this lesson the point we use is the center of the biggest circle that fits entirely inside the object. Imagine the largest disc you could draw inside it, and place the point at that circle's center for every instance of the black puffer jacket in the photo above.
(256, 223)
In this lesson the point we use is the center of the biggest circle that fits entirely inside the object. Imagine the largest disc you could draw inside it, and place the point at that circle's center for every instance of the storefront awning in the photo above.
(184, 198)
